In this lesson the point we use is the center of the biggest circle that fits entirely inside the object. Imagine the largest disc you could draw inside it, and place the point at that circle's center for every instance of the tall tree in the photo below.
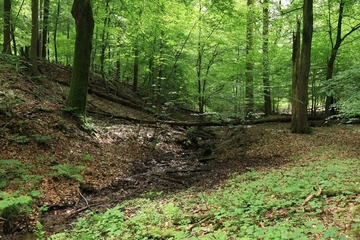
(34, 37)
(55, 31)
(84, 25)
(265, 48)
(45, 38)
(7, 27)
(335, 48)
(249, 72)
(301, 69)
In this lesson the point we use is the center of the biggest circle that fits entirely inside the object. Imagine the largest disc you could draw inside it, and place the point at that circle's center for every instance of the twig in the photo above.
(86, 201)
(198, 223)
(311, 196)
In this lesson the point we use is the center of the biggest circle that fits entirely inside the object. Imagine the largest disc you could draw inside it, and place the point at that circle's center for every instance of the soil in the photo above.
(126, 155)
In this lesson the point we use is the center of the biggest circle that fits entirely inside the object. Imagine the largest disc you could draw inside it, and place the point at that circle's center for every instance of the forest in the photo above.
(180, 119)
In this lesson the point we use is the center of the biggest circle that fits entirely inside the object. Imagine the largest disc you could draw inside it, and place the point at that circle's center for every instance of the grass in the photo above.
(255, 205)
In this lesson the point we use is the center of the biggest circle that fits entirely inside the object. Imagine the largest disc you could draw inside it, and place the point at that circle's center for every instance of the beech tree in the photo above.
(7, 27)
(34, 37)
(220, 57)
(335, 46)
(266, 63)
(84, 24)
(301, 69)
(249, 72)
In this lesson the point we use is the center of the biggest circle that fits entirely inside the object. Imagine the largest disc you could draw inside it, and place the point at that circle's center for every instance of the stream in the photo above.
(167, 173)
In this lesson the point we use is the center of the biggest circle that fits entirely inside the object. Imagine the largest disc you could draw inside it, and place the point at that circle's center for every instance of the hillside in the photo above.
(76, 169)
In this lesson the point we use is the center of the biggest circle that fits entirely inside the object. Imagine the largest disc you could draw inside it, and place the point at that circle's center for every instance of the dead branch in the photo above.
(311, 196)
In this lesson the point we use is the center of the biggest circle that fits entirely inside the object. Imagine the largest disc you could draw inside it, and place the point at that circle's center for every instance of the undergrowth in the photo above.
(316, 200)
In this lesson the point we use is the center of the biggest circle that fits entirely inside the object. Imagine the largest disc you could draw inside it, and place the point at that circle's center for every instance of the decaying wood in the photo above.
(311, 196)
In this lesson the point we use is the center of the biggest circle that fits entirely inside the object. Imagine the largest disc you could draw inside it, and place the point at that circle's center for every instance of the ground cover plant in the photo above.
(308, 200)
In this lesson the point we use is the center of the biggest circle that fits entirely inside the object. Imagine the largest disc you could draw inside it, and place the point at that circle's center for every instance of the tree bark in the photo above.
(45, 28)
(249, 72)
(7, 27)
(84, 24)
(299, 123)
(55, 31)
(104, 44)
(34, 37)
(266, 69)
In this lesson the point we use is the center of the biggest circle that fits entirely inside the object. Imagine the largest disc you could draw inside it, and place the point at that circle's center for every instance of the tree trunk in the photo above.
(84, 24)
(55, 31)
(329, 110)
(136, 67)
(249, 72)
(266, 69)
(299, 122)
(45, 28)
(104, 45)
(7, 27)
(34, 37)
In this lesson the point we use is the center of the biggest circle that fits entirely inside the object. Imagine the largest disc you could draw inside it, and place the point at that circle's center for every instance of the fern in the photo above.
(68, 170)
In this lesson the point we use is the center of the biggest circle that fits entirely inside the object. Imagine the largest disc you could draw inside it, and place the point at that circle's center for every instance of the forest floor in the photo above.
(122, 158)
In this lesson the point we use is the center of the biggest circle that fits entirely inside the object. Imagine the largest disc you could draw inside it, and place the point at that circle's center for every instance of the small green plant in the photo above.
(87, 157)
(68, 170)
(12, 209)
(152, 194)
(20, 139)
(8, 100)
(39, 232)
(41, 139)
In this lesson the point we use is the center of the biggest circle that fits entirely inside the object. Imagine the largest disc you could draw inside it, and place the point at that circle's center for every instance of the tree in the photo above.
(265, 48)
(7, 27)
(45, 29)
(249, 72)
(301, 69)
(335, 49)
(84, 24)
(34, 37)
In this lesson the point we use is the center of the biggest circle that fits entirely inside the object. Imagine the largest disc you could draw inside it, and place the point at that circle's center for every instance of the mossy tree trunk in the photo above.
(84, 24)
(301, 69)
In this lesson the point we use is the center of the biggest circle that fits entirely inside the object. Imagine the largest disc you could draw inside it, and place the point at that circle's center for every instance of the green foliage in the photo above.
(68, 170)
(39, 232)
(8, 100)
(254, 205)
(21, 139)
(87, 157)
(345, 88)
(41, 139)
(13, 208)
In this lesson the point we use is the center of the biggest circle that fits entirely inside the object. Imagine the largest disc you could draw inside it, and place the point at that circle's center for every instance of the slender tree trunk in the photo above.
(7, 27)
(266, 63)
(329, 110)
(84, 24)
(34, 37)
(295, 71)
(104, 45)
(299, 123)
(249, 72)
(136, 68)
(199, 67)
(55, 31)
(45, 28)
